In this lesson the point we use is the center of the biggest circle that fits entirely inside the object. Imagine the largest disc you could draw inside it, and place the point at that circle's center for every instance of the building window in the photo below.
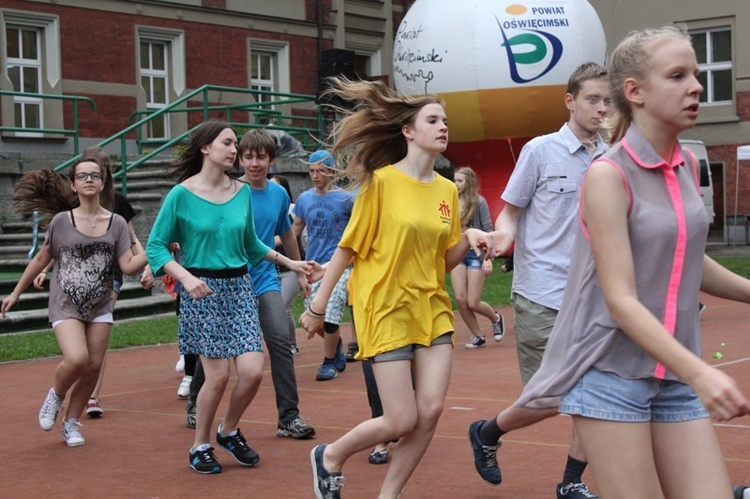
(263, 73)
(24, 67)
(31, 62)
(269, 71)
(713, 48)
(155, 84)
(161, 75)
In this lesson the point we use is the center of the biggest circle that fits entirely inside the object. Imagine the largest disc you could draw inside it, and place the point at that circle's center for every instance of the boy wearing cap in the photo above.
(325, 210)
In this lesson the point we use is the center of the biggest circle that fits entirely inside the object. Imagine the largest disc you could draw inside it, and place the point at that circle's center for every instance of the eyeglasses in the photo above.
(83, 176)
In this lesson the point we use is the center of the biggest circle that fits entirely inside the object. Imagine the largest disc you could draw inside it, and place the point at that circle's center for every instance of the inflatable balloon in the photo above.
(501, 67)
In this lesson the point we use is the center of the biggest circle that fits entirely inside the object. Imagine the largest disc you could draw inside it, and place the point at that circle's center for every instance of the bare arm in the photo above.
(605, 207)
(298, 225)
(722, 282)
(506, 228)
(132, 264)
(289, 243)
(35, 266)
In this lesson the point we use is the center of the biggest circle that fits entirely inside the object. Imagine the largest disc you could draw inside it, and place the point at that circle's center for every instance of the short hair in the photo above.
(257, 139)
(585, 72)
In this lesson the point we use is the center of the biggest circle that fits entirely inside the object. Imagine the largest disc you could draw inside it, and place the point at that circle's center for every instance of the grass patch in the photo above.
(24, 346)
(34, 345)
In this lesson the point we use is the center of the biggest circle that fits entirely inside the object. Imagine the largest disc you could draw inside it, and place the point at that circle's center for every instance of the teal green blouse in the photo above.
(212, 236)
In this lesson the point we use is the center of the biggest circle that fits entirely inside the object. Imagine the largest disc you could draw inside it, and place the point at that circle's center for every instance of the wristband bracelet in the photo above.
(313, 313)
(276, 259)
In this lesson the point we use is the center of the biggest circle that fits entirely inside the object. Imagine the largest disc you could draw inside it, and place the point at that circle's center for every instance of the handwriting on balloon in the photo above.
(412, 61)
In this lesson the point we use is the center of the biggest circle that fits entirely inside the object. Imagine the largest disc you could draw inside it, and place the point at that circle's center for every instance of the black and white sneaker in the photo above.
(204, 462)
(498, 328)
(237, 446)
(476, 342)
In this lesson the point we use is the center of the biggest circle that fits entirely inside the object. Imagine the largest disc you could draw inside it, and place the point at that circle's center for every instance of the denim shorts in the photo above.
(472, 261)
(607, 396)
(116, 286)
(407, 352)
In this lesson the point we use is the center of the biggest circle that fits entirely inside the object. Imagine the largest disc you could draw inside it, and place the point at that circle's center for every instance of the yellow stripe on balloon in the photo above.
(505, 112)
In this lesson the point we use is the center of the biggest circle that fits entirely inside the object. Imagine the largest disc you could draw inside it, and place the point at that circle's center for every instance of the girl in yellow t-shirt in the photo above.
(403, 237)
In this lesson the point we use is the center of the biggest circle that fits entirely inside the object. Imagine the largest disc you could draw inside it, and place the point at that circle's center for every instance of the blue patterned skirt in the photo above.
(224, 324)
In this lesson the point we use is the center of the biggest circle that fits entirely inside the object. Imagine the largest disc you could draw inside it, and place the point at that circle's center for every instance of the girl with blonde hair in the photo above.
(467, 278)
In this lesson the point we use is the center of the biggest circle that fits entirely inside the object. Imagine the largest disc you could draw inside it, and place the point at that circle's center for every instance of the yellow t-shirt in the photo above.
(400, 230)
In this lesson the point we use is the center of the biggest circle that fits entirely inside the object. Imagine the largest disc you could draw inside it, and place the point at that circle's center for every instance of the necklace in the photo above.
(92, 223)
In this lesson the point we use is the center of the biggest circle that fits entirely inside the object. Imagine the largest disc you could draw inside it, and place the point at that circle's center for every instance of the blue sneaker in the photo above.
(327, 371)
(485, 456)
(339, 361)
(327, 485)
(575, 490)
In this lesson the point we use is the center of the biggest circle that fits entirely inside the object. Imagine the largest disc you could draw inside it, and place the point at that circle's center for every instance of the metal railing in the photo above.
(75, 99)
(261, 109)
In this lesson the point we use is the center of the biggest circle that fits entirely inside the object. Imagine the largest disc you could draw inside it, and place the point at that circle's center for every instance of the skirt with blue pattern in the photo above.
(222, 325)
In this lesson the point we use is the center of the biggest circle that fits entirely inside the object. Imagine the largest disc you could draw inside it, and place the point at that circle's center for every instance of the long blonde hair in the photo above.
(467, 200)
(370, 135)
(631, 59)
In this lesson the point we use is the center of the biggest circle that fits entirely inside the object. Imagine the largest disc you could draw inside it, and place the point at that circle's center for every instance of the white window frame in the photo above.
(48, 29)
(174, 41)
(156, 74)
(709, 66)
(280, 60)
(22, 63)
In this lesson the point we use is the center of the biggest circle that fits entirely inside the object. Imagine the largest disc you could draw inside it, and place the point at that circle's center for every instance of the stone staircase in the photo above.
(147, 186)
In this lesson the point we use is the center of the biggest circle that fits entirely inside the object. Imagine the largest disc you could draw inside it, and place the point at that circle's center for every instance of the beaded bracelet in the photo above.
(313, 313)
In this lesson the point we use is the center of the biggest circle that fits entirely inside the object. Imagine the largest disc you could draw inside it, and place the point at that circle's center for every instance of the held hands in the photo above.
(304, 285)
(317, 273)
(492, 244)
(500, 242)
(312, 322)
(720, 395)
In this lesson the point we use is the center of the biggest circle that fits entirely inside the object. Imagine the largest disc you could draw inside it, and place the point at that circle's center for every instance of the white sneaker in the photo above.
(71, 434)
(50, 408)
(180, 366)
(184, 390)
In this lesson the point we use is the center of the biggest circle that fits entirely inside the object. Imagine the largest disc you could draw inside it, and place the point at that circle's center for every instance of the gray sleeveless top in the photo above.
(668, 225)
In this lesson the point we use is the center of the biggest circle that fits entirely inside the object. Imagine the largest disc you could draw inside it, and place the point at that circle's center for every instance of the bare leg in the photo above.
(217, 376)
(459, 282)
(474, 288)
(97, 340)
(249, 374)
(432, 372)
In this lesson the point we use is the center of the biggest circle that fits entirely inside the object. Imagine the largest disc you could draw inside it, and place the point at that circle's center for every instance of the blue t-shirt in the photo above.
(271, 216)
(326, 217)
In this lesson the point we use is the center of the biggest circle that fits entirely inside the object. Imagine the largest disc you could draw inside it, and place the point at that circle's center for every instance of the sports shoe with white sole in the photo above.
(71, 434)
(183, 391)
(49, 411)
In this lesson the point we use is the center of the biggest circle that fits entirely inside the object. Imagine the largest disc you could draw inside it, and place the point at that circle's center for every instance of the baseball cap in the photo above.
(321, 156)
